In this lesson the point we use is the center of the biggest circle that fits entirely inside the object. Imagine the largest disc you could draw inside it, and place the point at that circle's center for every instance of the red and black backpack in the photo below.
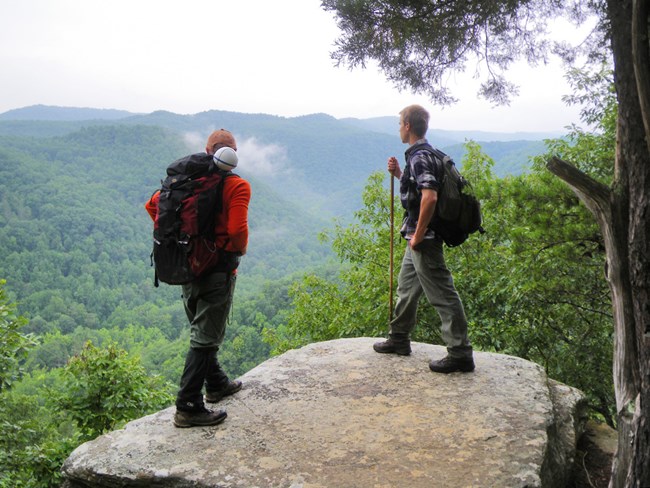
(190, 199)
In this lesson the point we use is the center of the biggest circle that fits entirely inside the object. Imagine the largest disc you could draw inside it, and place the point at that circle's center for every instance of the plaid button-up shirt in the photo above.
(419, 173)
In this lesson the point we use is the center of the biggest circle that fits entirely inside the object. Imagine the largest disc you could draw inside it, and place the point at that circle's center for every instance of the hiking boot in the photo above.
(394, 345)
(450, 364)
(199, 418)
(215, 396)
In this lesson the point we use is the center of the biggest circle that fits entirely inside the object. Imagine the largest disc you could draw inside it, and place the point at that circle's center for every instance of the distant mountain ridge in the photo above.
(389, 124)
(48, 112)
(385, 125)
(315, 161)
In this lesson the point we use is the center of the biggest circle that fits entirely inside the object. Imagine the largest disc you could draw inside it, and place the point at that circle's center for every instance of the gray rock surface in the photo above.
(337, 414)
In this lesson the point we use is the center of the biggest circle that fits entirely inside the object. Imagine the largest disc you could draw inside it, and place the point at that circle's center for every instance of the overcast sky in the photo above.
(253, 56)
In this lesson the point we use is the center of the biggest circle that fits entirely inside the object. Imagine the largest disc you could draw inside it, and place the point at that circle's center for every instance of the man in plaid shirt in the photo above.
(423, 266)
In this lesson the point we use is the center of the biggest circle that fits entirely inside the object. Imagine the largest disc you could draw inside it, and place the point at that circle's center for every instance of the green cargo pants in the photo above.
(207, 304)
(425, 271)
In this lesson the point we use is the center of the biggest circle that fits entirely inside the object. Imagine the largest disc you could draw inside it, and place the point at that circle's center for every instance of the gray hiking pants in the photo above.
(425, 271)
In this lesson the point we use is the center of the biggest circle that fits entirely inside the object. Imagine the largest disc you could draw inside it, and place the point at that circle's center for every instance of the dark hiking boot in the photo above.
(394, 345)
(450, 364)
(199, 418)
(215, 396)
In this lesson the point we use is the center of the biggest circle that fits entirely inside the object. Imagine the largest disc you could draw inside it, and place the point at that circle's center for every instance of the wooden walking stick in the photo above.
(390, 266)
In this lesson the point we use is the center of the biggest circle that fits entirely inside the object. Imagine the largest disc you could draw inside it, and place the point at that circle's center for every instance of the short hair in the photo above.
(417, 117)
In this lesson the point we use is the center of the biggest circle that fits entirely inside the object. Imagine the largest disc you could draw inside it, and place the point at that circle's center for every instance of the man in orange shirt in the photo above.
(207, 302)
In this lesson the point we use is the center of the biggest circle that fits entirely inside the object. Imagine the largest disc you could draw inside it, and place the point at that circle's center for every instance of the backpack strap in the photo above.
(156, 282)
(439, 158)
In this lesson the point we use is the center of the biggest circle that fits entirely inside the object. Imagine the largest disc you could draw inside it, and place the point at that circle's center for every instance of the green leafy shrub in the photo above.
(104, 388)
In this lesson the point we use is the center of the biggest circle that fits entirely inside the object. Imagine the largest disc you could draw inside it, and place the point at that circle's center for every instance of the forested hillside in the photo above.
(513, 156)
(316, 161)
(76, 239)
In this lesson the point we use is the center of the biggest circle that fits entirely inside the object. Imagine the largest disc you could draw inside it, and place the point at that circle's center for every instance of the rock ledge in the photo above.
(337, 414)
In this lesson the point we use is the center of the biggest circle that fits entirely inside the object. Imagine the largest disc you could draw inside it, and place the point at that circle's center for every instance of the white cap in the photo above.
(225, 158)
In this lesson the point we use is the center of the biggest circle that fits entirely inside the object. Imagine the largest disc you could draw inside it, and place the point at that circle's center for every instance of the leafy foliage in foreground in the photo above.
(48, 413)
(15, 344)
(104, 388)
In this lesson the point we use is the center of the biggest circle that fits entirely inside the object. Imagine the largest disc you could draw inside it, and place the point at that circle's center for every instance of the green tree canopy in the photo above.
(417, 43)
(14, 344)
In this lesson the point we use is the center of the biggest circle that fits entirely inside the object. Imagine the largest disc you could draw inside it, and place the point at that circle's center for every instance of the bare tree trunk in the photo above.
(641, 58)
(623, 214)
(612, 220)
(638, 472)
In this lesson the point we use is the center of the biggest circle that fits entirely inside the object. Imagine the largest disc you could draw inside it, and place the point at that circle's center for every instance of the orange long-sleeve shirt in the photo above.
(231, 226)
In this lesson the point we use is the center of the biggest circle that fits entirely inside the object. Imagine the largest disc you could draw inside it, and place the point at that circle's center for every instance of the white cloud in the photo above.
(254, 157)
(195, 141)
(262, 159)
